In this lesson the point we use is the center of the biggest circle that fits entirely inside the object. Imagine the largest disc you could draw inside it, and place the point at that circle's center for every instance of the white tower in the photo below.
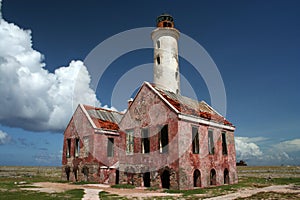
(166, 69)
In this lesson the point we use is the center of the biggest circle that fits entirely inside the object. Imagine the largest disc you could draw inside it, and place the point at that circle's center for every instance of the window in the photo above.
(77, 147)
(145, 141)
(211, 148)
(163, 140)
(86, 145)
(68, 148)
(158, 60)
(129, 141)
(195, 140)
(158, 44)
(224, 145)
(110, 147)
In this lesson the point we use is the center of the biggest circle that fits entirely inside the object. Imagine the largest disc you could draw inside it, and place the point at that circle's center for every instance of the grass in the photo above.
(271, 195)
(106, 196)
(249, 177)
(245, 182)
(33, 195)
(124, 186)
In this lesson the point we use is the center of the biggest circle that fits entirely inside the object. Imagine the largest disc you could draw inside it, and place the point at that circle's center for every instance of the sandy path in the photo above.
(92, 191)
(250, 192)
(91, 194)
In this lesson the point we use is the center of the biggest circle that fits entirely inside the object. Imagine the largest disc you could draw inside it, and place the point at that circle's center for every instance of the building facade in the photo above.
(163, 140)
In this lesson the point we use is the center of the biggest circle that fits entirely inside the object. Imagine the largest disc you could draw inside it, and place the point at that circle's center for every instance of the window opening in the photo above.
(195, 140)
(110, 147)
(211, 147)
(158, 60)
(163, 140)
(158, 44)
(145, 141)
(129, 141)
(77, 147)
(68, 153)
(224, 144)
(197, 178)
(213, 179)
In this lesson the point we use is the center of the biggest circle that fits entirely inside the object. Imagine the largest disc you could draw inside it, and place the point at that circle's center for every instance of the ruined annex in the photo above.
(163, 140)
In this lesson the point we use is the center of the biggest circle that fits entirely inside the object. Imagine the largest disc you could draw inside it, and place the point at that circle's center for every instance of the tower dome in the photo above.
(165, 40)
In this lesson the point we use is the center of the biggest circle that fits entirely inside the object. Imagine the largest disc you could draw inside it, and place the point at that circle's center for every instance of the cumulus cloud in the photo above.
(289, 145)
(32, 98)
(4, 138)
(246, 148)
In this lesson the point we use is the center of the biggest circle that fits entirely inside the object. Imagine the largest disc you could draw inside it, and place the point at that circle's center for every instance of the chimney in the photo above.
(130, 102)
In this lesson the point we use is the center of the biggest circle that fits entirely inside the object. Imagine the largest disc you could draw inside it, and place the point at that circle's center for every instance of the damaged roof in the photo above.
(104, 118)
(188, 106)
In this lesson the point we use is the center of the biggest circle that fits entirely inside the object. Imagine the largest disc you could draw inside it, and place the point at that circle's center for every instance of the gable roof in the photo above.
(189, 107)
(102, 119)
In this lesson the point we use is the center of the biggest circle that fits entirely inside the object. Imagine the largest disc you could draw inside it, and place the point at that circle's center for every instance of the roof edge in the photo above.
(87, 115)
(203, 121)
(164, 99)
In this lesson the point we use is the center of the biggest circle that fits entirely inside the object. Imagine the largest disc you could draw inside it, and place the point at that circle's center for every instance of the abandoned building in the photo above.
(163, 140)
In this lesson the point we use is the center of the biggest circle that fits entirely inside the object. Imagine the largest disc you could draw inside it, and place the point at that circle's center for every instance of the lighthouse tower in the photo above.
(166, 68)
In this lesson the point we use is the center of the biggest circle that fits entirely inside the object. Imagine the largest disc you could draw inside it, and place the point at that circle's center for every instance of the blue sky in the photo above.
(254, 44)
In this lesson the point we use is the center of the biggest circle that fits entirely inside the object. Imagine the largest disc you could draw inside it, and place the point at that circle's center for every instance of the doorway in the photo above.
(147, 179)
(197, 178)
(213, 177)
(226, 176)
(117, 176)
(165, 179)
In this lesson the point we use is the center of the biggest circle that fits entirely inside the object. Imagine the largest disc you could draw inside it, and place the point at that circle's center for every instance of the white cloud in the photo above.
(32, 98)
(289, 145)
(4, 137)
(246, 149)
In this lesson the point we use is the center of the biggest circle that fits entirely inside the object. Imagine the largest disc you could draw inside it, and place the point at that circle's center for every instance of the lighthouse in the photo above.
(166, 68)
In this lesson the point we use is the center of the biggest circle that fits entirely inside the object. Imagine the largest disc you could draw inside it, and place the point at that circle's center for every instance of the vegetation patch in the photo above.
(272, 195)
(106, 196)
(124, 186)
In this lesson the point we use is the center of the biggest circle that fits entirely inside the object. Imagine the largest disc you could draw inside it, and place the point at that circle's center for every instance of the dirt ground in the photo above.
(141, 192)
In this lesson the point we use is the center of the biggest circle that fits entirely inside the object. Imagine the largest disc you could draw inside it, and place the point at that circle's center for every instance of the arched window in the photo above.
(226, 176)
(213, 177)
(158, 44)
(197, 178)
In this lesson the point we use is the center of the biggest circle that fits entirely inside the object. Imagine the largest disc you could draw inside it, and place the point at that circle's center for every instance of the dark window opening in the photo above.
(167, 24)
(110, 147)
(68, 153)
(211, 147)
(213, 177)
(165, 179)
(195, 140)
(77, 147)
(158, 44)
(224, 144)
(85, 171)
(163, 140)
(158, 60)
(146, 179)
(68, 170)
(197, 178)
(145, 141)
(117, 176)
(226, 176)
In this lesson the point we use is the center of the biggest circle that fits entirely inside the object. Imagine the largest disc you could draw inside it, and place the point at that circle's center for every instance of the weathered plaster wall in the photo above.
(203, 161)
(92, 154)
(148, 111)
